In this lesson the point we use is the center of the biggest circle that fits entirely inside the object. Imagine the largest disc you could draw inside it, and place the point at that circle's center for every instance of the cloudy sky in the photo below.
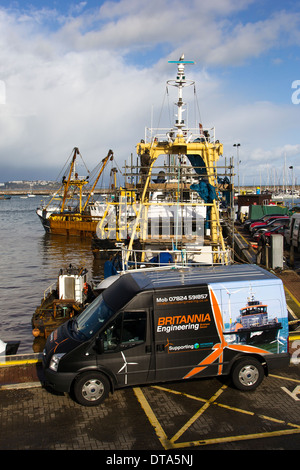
(92, 74)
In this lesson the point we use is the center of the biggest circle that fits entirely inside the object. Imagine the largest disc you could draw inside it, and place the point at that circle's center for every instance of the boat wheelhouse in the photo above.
(254, 314)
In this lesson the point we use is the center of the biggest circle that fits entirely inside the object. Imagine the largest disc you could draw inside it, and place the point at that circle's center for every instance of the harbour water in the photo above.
(30, 261)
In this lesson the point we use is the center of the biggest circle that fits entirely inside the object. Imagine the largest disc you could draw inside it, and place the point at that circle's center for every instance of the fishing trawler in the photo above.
(69, 212)
(173, 192)
(61, 301)
(253, 325)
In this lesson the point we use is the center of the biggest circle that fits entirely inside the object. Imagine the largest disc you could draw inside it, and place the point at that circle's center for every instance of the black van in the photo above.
(156, 326)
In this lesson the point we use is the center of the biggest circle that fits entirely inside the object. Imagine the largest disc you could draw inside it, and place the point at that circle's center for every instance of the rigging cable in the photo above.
(197, 107)
(162, 106)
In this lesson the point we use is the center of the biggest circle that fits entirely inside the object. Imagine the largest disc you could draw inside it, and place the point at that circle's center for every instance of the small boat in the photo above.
(62, 301)
(9, 348)
(4, 197)
(253, 325)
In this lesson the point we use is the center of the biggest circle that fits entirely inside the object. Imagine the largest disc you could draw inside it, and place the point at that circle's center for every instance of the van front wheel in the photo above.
(91, 388)
(247, 374)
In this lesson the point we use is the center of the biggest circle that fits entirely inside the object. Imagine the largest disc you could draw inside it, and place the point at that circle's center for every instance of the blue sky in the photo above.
(91, 73)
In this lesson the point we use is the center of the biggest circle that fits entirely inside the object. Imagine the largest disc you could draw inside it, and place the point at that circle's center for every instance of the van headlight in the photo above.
(55, 361)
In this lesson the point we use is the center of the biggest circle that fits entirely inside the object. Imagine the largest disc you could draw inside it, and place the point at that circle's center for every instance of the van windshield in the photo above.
(92, 318)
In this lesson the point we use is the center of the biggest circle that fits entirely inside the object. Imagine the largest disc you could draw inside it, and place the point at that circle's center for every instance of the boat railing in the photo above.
(49, 289)
(154, 258)
(191, 135)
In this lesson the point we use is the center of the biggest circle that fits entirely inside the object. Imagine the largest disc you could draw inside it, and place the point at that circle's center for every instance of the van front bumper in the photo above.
(59, 381)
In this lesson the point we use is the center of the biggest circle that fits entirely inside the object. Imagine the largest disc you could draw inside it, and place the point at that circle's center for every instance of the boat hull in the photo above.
(76, 226)
(259, 335)
(73, 228)
(12, 347)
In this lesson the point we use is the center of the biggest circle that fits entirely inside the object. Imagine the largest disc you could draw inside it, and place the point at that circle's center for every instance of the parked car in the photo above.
(265, 234)
(255, 225)
(266, 217)
(292, 233)
(270, 226)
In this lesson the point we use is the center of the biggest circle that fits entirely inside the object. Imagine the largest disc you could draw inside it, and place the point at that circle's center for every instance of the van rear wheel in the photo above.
(91, 388)
(247, 374)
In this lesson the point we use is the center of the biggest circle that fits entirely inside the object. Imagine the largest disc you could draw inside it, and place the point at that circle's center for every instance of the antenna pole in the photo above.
(180, 83)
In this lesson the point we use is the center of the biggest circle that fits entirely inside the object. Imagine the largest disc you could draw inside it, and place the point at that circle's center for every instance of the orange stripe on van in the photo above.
(217, 349)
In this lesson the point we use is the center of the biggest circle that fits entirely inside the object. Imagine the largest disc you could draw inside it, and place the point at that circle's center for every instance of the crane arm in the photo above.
(104, 162)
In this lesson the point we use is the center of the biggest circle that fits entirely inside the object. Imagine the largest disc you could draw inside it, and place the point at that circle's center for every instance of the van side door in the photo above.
(185, 332)
(127, 347)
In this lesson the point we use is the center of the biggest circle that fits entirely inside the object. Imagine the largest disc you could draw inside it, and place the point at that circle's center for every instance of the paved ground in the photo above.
(201, 414)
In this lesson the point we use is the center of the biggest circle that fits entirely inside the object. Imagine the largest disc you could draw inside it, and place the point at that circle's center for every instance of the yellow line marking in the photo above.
(291, 295)
(293, 425)
(284, 378)
(280, 421)
(172, 444)
(242, 437)
(175, 392)
(152, 418)
(20, 363)
(199, 413)
(232, 408)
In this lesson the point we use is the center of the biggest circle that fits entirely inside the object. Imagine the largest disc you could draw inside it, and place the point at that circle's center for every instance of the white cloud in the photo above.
(251, 40)
(72, 80)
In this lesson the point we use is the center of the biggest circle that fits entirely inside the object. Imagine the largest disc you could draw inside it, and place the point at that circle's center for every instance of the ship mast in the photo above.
(73, 181)
(180, 83)
(104, 162)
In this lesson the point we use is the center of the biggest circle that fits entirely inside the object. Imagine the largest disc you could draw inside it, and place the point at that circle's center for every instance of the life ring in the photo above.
(85, 288)
(36, 332)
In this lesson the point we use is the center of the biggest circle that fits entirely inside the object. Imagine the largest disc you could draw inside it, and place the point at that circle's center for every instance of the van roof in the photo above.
(200, 275)
(132, 282)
